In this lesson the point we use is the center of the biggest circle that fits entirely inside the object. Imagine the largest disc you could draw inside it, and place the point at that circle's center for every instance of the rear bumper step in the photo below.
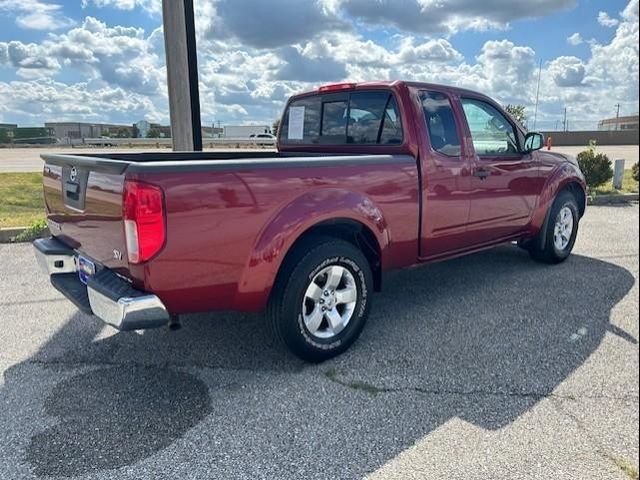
(106, 295)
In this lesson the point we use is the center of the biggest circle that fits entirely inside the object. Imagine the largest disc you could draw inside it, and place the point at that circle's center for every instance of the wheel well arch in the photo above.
(578, 192)
(349, 230)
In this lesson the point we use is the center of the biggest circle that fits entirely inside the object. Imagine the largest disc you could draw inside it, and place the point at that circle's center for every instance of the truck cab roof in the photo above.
(388, 84)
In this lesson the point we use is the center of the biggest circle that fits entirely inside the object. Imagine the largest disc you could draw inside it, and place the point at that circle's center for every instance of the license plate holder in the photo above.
(86, 269)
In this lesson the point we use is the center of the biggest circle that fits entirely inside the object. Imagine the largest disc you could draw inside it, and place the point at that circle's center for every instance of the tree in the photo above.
(635, 172)
(517, 112)
(153, 133)
(123, 132)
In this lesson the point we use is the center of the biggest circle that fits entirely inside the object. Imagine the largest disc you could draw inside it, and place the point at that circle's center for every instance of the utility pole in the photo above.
(182, 74)
(617, 116)
(535, 115)
(564, 120)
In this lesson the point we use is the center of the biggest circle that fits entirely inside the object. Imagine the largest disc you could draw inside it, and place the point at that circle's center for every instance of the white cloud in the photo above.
(4, 53)
(28, 59)
(575, 39)
(610, 76)
(434, 50)
(614, 66)
(270, 24)
(37, 15)
(45, 100)
(567, 71)
(120, 56)
(606, 21)
(248, 68)
(151, 6)
(509, 68)
(435, 16)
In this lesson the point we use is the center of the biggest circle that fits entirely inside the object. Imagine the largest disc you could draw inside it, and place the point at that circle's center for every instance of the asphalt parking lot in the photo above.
(485, 367)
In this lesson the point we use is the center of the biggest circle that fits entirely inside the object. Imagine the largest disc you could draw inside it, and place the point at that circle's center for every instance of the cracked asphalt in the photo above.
(485, 367)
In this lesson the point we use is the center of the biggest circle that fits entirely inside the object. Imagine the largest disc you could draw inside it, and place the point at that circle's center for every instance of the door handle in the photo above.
(481, 173)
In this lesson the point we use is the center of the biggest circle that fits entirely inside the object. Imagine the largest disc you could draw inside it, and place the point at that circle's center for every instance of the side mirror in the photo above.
(533, 141)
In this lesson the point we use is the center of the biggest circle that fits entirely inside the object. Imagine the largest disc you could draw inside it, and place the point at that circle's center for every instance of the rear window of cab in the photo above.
(356, 118)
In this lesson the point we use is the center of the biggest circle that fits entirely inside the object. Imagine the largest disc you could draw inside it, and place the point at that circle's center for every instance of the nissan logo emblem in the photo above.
(74, 174)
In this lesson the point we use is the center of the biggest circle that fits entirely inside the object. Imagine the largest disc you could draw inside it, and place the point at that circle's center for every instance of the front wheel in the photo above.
(561, 231)
(321, 299)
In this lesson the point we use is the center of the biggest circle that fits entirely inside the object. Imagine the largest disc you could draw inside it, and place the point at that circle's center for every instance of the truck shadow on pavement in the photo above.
(483, 338)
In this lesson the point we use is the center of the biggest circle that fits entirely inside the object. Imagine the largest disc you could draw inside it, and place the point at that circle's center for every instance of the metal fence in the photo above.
(206, 142)
(602, 137)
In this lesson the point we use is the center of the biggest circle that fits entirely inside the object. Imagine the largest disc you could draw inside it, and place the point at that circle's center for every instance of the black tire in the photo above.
(286, 304)
(549, 252)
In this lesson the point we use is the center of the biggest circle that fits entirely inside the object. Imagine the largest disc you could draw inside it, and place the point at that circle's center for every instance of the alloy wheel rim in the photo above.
(329, 302)
(563, 228)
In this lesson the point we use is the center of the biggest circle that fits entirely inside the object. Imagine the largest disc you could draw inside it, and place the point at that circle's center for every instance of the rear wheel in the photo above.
(561, 231)
(321, 299)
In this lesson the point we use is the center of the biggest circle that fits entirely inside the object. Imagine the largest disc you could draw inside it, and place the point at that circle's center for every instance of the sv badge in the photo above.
(117, 254)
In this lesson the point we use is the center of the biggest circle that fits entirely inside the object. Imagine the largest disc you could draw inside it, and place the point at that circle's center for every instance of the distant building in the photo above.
(621, 123)
(76, 132)
(212, 132)
(8, 125)
(26, 135)
(145, 129)
(142, 129)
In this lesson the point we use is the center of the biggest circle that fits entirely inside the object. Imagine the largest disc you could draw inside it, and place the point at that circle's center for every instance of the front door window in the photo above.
(492, 134)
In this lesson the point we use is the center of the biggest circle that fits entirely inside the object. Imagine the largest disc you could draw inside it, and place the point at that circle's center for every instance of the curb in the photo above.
(7, 234)
(613, 199)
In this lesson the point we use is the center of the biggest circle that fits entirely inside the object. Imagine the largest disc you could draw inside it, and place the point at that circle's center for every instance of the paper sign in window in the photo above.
(296, 123)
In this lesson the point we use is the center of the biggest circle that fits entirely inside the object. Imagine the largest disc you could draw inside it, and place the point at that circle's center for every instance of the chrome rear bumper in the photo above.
(107, 296)
(128, 313)
(54, 257)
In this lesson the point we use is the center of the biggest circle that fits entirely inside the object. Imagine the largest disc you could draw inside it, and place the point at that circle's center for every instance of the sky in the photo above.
(103, 60)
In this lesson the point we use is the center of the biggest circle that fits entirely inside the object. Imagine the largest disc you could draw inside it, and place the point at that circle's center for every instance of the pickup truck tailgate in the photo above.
(84, 207)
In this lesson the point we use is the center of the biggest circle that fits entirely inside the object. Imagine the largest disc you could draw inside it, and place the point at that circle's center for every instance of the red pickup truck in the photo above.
(368, 177)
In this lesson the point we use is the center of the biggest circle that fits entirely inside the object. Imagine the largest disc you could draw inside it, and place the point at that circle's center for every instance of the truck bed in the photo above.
(164, 161)
(219, 207)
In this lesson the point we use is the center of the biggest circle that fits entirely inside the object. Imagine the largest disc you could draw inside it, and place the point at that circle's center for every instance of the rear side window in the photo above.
(301, 122)
(441, 123)
(359, 118)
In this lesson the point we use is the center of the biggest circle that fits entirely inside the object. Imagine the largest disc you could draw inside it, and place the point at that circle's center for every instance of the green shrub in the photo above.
(634, 172)
(36, 230)
(596, 167)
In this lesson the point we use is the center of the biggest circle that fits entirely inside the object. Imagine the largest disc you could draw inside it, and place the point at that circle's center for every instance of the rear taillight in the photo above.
(144, 220)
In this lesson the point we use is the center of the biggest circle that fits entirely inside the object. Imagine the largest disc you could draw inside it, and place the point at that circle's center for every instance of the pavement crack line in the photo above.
(373, 390)
(622, 464)
(28, 302)
(110, 363)
(332, 375)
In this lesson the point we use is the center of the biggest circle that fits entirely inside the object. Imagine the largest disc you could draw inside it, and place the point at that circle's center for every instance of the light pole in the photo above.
(182, 74)
(535, 115)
